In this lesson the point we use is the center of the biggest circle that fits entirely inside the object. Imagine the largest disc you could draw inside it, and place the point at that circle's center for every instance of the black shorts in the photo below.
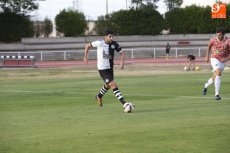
(106, 75)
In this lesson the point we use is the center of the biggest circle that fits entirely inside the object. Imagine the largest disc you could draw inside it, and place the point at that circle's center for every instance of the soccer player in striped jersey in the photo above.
(218, 54)
(105, 63)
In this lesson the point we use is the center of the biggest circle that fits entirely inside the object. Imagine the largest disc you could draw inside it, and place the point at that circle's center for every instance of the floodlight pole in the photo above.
(107, 7)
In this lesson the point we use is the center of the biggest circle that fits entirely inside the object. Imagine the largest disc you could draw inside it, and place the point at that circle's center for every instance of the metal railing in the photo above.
(130, 53)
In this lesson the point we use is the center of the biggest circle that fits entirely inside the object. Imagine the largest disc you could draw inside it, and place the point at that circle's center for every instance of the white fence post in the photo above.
(41, 56)
(176, 53)
(132, 53)
(65, 55)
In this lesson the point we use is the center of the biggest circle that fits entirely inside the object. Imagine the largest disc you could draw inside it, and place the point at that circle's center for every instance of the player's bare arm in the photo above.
(224, 60)
(87, 47)
(122, 62)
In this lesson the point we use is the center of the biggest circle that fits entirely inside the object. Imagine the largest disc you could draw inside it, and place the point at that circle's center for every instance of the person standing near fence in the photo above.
(218, 53)
(167, 49)
(105, 63)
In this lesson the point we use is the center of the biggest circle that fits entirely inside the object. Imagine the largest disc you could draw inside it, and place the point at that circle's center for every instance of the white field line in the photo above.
(83, 93)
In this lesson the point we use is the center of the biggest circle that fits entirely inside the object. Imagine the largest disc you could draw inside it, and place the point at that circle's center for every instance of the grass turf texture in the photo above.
(54, 111)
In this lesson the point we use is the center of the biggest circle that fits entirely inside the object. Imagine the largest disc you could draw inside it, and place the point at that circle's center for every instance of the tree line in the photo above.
(141, 18)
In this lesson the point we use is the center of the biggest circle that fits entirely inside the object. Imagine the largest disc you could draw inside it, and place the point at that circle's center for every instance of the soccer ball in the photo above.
(186, 68)
(197, 68)
(129, 107)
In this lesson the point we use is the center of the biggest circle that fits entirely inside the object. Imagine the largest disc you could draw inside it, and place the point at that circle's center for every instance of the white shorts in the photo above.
(217, 64)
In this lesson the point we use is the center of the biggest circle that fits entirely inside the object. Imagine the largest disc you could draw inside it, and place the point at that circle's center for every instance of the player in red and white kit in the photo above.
(218, 54)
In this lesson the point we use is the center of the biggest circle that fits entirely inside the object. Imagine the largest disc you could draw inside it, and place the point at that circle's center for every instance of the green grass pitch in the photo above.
(54, 111)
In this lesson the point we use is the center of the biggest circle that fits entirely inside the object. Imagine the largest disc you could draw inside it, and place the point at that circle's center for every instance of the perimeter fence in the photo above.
(134, 53)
